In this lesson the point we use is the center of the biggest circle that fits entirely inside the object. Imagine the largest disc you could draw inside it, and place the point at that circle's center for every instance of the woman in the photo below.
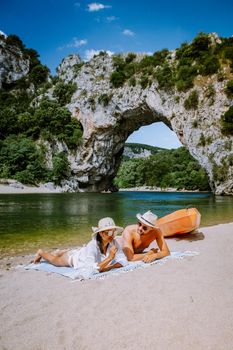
(101, 254)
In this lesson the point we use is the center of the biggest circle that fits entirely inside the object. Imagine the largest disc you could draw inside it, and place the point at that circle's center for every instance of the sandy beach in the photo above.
(16, 187)
(182, 304)
(21, 189)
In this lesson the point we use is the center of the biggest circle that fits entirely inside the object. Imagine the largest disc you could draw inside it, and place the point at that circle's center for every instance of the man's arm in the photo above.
(128, 246)
(164, 250)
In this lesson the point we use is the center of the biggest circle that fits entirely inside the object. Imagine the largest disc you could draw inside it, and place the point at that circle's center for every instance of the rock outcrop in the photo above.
(13, 64)
(140, 152)
(107, 125)
(109, 115)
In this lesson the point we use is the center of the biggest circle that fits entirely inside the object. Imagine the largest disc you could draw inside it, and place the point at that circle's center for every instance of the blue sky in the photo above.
(56, 28)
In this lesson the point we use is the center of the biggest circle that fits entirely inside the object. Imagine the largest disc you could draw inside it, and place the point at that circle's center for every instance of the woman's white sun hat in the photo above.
(148, 218)
(106, 224)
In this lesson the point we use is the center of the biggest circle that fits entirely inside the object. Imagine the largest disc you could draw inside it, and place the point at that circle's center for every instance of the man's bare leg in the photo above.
(57, 260)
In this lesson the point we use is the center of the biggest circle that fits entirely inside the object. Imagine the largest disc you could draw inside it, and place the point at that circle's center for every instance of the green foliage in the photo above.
(185, 76)
(61, 167)
(202, 140)
(117, 79)
(160, 57)
(39, 74)
(104, 99)
(58, 122)
(63, 92)
(210, 92)
(200, 57)
(132, 81)
(73, 135)
(130, 57)
(145, 81)
(126, 69)
(228, 145)
(210, 65)
(91, 101)
(229, 88)
(14, 40)
(227, 122)
(166, 168)
(192, 101)
(118, 62)
(220, 172)
(77, 67)
(200, 45)
(164, 76)
(21, 124)
(195, 123)
(21, 159)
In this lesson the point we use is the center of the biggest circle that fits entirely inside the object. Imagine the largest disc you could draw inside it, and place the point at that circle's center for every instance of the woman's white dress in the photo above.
(88, 257)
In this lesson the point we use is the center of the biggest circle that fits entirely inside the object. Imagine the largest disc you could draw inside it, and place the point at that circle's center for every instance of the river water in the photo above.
(29, 221)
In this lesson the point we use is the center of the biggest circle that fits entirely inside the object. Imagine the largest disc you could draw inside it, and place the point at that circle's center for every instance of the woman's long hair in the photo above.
(100, 243)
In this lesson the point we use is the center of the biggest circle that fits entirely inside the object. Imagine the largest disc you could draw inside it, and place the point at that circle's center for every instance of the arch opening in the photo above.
(154, 157)
(157, 134)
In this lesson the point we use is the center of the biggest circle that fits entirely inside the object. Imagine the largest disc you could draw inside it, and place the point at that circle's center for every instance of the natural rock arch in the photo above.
(109, 114)
(106, 127)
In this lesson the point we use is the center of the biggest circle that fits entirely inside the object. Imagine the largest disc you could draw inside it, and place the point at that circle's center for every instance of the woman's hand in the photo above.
(112, 252)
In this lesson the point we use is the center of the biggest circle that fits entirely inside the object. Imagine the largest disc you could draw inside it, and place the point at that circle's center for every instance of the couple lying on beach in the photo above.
(106, 251)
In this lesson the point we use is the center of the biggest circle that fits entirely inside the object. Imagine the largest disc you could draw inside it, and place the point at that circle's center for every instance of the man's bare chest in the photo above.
(142, 242)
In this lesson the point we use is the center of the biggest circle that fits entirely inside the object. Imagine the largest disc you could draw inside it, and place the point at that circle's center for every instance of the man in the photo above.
(138, 237)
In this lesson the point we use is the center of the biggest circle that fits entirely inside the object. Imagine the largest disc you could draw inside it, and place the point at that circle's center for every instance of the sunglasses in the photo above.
(145, 228)
(110, 233)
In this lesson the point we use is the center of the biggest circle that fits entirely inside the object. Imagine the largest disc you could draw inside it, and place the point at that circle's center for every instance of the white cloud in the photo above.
(97, 7)
(128, 32)
(111, 18)
(77, 43)
(89, 54)
(74, 43)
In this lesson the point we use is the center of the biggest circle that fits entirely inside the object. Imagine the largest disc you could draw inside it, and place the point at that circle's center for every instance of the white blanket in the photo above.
(82, 274)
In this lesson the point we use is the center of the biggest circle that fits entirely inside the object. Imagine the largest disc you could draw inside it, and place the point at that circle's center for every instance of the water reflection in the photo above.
(52, 220)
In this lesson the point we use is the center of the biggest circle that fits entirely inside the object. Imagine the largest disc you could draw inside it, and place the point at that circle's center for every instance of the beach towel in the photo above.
(83, 274)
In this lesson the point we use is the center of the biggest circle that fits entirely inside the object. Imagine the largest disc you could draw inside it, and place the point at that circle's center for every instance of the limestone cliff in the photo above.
(109, 112)
(109, 115)
(13, 64)
(137, 151)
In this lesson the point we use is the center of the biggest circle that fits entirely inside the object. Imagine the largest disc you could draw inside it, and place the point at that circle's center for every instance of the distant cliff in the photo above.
(138, 150)
(189, 89)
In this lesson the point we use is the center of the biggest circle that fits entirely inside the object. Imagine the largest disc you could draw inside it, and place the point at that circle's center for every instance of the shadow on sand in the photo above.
(192, 236)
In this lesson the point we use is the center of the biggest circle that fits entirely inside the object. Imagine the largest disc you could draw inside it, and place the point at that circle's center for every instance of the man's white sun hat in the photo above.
(148, 218)
(106, 224)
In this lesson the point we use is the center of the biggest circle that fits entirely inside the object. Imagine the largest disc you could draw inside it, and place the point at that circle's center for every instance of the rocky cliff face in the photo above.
(108, 125)
(141, 152)
(109, 115)
(13, 64)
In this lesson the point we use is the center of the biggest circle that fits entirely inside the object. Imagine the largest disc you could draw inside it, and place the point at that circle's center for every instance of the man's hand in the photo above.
(149, 257)
(153, 251)
(112, 252)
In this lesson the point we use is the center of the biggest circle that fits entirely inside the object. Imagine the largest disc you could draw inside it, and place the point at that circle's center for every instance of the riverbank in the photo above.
(157, 189)
(17, 187)
(182, 304)
(13, 186)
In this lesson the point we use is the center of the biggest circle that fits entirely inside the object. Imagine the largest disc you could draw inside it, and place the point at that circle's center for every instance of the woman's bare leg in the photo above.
(57, 260)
